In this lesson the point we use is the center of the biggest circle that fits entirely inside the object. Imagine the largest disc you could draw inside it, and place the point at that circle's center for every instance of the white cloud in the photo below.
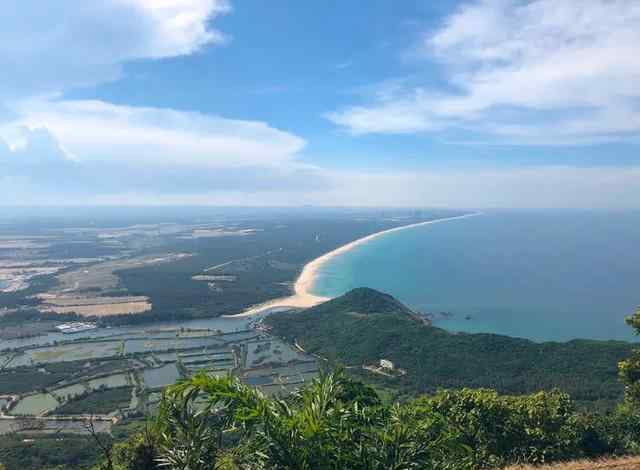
(99, 131)
(523, 70)
(49, 47)
(119, 156)
(96, 148)
(179, 26)
(38, 171)
(54, 149)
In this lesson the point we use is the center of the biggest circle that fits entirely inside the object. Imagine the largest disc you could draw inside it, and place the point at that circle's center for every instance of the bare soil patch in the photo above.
(97, 306)
(629, 463)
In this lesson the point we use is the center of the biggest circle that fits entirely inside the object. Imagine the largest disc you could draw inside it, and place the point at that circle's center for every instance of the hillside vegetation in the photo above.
(336, 422)
(209, 423)
(365, 325)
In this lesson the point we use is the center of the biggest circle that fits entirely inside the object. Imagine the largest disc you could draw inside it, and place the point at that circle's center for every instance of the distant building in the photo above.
(76, 327)
(386, 364)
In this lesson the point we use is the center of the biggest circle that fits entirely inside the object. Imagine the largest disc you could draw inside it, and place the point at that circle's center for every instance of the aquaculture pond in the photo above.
(210, 358)
(35, 405)
(216, 370)
(163, 355)
(66, 352)
(166, 357)
(110, 381)
(161, 376)
(166, 344)
(271, 351)
(259, 380)
(165, 329)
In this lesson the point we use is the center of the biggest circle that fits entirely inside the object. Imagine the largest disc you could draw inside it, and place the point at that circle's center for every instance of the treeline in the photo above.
(25, 297)
(48, 451)
(19, 317)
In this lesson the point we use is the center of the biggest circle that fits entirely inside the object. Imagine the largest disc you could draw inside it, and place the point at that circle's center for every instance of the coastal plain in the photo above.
(164, 301)
(159, 301)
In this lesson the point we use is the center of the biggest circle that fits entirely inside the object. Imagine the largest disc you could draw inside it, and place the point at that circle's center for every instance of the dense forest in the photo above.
(364, 326)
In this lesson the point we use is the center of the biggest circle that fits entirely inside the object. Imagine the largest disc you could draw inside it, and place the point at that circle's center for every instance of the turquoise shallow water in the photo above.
(554, 275)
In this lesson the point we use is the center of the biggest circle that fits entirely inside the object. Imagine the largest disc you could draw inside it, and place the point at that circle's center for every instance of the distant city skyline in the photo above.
(490, 103)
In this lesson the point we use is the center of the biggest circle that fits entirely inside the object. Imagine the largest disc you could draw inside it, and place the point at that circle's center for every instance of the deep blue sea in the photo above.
(542, 275)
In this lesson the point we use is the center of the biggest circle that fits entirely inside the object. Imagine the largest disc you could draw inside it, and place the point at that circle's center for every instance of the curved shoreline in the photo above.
(302, 298)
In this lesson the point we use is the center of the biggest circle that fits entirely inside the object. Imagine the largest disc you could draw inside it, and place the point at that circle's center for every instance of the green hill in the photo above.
(364, 301)
(365, 325)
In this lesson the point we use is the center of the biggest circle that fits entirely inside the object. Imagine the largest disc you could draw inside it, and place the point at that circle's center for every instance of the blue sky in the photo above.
(491, 103)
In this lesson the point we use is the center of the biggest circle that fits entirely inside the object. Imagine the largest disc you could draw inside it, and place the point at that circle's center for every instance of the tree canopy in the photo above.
(630, 368)
(208, 423)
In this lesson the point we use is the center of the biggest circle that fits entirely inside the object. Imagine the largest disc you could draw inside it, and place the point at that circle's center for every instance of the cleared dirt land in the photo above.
(89, 291)
(629, 463)
(103, 277)
(97, 306)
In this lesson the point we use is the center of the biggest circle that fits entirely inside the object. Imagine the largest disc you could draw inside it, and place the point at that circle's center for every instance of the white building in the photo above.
(76, 327)
(386, 364)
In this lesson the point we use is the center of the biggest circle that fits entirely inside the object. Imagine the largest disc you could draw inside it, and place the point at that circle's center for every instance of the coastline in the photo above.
(302, 297)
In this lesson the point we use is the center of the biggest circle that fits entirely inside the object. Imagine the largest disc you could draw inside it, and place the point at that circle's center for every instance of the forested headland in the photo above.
(339, 422)
(364, 326)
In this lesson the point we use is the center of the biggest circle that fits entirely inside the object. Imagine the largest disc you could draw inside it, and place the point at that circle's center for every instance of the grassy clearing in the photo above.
(103, 309)
(48, 355)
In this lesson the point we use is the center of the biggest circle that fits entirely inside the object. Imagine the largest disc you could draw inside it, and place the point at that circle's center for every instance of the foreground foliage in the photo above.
(630, 368)
(209, 423)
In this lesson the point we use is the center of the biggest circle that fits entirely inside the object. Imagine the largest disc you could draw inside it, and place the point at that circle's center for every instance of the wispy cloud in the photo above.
(344, 64)
(99, 131)
(529, 72)
(101, 148)
(150, 153)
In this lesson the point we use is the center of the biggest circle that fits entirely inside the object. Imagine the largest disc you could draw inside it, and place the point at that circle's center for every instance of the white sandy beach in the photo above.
(302, 298)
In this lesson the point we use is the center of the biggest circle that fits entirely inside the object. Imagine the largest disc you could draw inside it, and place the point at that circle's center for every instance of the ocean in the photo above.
(542, 275)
